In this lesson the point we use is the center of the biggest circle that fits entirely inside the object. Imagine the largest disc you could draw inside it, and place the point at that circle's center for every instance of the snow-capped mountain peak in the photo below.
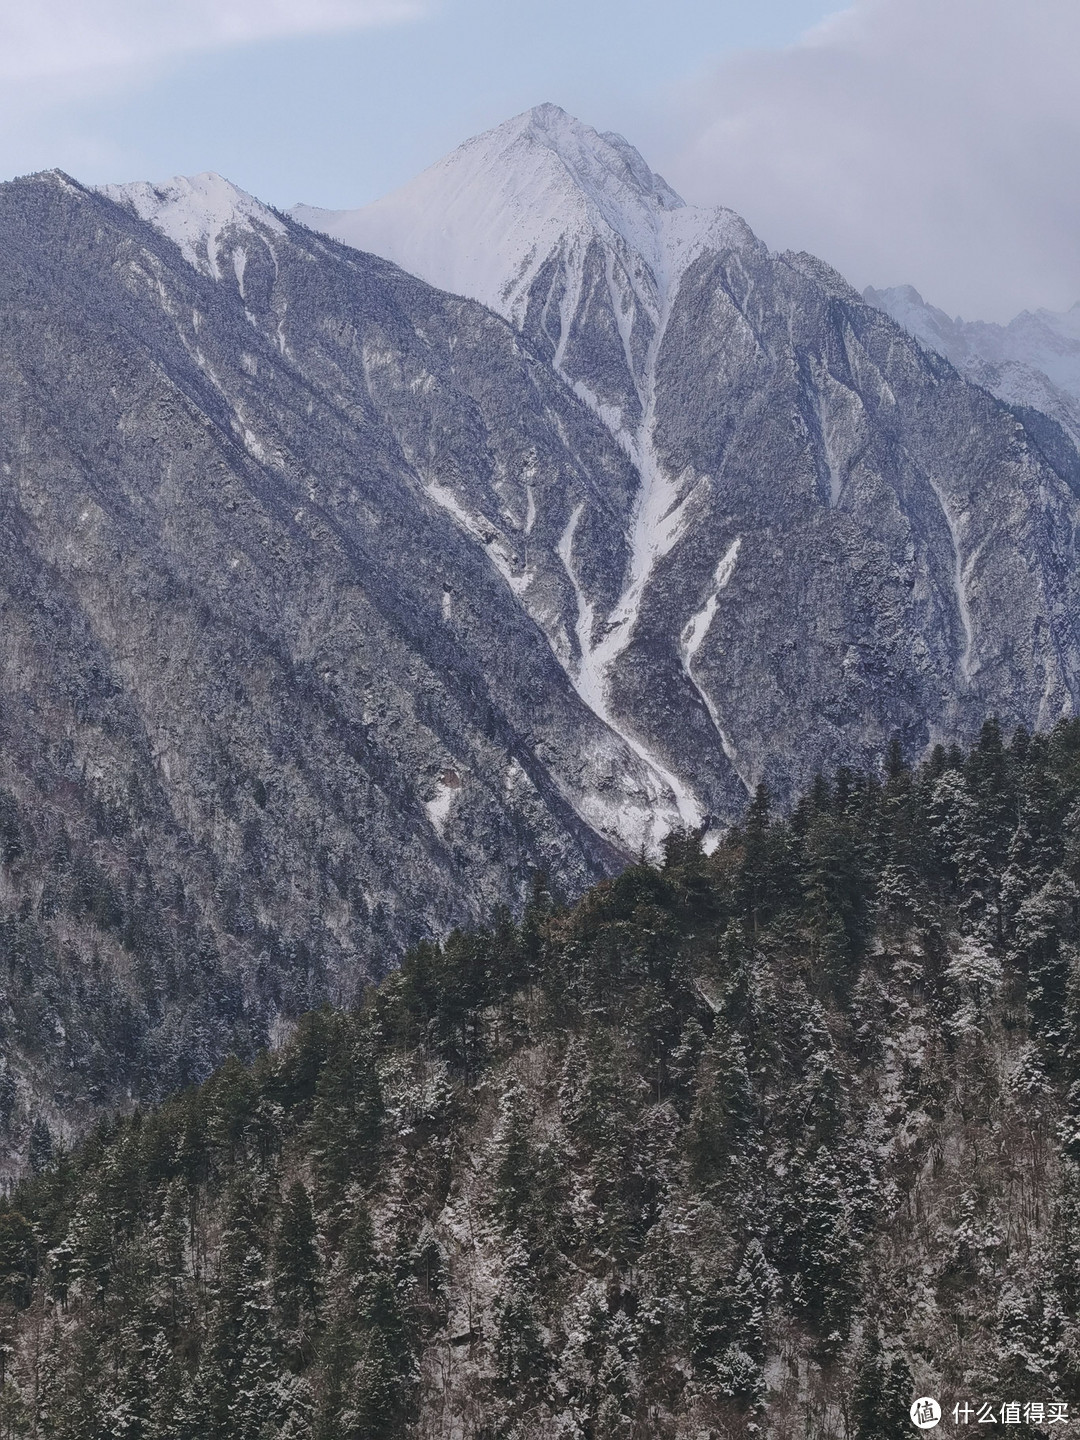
(507, 200)
(195, 211)
(569, 235)
(605, 169)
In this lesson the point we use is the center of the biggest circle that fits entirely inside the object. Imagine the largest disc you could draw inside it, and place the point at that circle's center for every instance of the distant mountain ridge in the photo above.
(1033, 361)
(601, 266)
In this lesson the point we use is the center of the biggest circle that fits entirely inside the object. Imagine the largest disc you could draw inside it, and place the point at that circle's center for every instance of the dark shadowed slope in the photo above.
(268, 712)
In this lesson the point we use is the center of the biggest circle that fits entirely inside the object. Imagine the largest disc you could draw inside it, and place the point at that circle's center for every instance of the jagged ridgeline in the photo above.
(784, 1135)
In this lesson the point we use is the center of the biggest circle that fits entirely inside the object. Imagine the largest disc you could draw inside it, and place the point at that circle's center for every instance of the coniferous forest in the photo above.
(765, 1141)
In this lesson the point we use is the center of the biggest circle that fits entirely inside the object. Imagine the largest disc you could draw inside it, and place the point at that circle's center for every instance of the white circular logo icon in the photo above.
(925, 1413)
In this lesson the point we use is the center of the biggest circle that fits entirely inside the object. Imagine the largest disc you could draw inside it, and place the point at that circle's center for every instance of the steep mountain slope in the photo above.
(336, 604)
(763, 1143)
(1033, 361)
(834, 536)
(509, 505)
(269, 701)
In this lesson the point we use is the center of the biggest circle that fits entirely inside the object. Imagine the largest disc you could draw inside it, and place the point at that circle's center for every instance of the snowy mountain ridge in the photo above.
(1033, 361)
(195, 212)
(550, 223)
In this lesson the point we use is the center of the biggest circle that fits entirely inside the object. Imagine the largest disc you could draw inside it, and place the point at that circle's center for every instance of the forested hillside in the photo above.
(767, 1141)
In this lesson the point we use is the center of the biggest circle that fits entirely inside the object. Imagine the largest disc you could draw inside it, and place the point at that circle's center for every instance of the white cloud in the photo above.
(930, 141)
(47, 39)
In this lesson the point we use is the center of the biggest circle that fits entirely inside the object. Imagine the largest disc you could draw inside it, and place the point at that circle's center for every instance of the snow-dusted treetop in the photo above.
(195, 211)
(482, 221)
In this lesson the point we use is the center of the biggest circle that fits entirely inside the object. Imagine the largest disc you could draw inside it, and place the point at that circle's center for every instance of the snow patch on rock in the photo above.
(589, 676)
(692, 638)
(961, 575)
(438, 807)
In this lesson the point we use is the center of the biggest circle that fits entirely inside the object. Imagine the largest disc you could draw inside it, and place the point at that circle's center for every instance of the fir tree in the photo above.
(296, 1270)
(882, 1393)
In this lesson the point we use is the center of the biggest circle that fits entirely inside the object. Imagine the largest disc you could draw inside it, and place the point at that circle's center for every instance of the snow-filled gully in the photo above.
(961, 576)
(589, 678)
(658, 521)
(690, 641)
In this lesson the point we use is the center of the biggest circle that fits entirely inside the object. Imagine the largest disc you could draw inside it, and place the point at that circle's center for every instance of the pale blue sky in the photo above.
(337, 119)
